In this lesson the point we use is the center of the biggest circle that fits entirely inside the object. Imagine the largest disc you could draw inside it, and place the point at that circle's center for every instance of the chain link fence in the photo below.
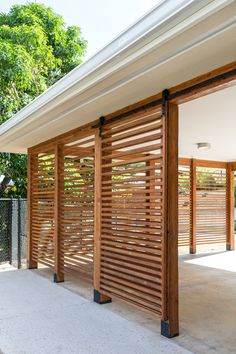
(13, 213)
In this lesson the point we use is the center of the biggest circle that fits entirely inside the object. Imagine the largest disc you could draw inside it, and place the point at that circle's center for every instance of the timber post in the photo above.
(170, 320)
(98, 297)
(58, 271)
(31, 264)
(230, 208)
(193, 201)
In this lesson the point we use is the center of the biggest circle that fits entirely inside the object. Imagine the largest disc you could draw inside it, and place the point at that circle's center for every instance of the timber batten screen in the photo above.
(122, 166)
(61, 204)
(42, 207)
(211, 205)
(132, 222)
(77, 205)
(204, 197)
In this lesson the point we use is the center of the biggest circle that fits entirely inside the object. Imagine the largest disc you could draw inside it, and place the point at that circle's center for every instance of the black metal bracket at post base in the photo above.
(56, 279)
(32, 267)
(165, 330)
(230, 248)
(97, 297)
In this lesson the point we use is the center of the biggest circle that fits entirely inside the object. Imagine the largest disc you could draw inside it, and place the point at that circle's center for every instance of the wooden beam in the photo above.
(230, 208)
(31, 264)
(170, 321)
(233, 165)
(98, 297)
(58, 271)
(78, 151)
(213, 85)
(193, 201)
(184, 161)
(211, 163)
(216, 85)
(64, 138)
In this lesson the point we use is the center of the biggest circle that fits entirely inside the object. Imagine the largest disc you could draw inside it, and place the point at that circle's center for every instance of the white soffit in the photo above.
(175, 42)
(210, 119)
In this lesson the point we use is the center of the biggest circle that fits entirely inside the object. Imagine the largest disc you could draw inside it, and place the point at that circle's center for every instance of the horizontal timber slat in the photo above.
(131, 211)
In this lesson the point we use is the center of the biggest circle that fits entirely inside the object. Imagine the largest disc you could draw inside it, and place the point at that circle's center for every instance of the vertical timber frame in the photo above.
(31, 264)
(98, 296)
(170, 320)
(193, 200)
(230, 208)
(58, 274)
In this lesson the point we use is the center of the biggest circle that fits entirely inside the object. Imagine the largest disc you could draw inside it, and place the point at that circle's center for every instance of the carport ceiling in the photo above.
(210, 119)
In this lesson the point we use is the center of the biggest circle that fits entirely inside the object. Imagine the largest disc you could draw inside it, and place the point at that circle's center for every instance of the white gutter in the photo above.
(167, 19)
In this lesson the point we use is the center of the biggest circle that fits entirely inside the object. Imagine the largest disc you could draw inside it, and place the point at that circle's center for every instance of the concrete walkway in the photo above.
(40, 317)
(208, 302)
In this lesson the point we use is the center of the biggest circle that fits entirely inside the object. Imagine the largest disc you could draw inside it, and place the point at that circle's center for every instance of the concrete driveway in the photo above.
(40, 317)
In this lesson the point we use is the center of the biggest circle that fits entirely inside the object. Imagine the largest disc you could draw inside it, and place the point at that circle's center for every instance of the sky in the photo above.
(100, 20)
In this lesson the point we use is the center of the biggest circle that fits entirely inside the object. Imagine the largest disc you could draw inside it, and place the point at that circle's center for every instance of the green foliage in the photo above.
(14, 167)
(206, 180)
(36, 50)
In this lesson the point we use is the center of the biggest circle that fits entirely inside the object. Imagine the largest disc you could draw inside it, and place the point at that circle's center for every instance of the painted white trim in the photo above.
(142, 72)
(166, 20)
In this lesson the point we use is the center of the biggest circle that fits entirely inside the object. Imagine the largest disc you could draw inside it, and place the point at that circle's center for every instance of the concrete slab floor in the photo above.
(38, 316)
(207, 313)
(207, 301)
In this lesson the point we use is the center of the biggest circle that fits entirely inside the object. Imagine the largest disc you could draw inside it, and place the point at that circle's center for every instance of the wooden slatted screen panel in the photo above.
(42, 199)
(184, 205)
(77, 205)
(211, 205)
(132, 210)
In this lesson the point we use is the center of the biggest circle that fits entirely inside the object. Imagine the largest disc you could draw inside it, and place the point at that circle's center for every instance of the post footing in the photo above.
(100, 298)
(229, 248)
(58, 278)
(166, 330)
(32, 265)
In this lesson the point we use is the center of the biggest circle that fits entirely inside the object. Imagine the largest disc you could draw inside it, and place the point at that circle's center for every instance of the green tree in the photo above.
(36, 50)
(15, 169)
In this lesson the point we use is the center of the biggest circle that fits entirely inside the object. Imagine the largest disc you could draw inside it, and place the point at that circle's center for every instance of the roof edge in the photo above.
(156, 18)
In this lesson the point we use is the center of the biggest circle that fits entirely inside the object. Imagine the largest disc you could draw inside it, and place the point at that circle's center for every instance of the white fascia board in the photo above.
(167, 19)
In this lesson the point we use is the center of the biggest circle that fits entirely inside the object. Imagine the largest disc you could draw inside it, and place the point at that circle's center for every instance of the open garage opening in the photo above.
(206, 201)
